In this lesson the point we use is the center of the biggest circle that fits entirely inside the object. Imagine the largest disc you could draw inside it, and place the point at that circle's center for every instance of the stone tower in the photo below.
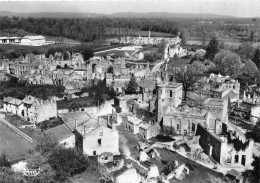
(168, 94)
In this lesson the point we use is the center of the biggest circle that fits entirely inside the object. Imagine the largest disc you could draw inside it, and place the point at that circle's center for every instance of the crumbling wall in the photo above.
(208, 140)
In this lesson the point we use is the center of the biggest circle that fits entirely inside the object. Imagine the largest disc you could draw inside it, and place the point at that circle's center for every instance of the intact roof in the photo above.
(13, 101)
(60, 132)
(33, 37)
(70, 118)
(10, 37)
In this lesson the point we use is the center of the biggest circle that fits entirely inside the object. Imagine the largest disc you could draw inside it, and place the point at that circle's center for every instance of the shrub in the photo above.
(4, 162)
(66, 162)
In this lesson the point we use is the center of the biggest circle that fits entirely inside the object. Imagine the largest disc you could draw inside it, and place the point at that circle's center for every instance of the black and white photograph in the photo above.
(128, 91)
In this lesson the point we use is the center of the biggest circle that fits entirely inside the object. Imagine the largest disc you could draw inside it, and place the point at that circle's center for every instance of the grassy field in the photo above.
(64, 40)
(123, 32)
(14, 146)
(18, 122)
(27, 49)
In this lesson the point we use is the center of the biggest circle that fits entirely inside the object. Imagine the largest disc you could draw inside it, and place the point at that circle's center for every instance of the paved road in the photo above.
(12, 144)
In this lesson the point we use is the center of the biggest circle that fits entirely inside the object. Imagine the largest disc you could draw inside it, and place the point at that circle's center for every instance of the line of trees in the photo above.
(90, 29)
(13, 88)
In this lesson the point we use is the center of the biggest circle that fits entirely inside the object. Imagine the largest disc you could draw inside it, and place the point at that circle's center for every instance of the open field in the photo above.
(18, 122)
(27, 49)
(123, 32)
(12, 144)
(64, 40)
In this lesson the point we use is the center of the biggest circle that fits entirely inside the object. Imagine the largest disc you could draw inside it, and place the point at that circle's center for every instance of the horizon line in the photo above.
(224, 15)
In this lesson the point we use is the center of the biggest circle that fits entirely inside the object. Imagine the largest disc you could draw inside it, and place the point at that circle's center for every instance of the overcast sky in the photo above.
(241, 8)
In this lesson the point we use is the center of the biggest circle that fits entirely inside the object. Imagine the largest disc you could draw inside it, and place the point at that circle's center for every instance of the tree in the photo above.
(151, 57)
(212, 48)
(66, 162)
(184, 36)
(198, 66)
(188, 77)
(66, 55)
(132, 86)
(46, 143)
(213, 179)
(169, 167)
(162, 46)
(253, 175)
(246, 51)
(37, 160)
(4, 162)
(8, 176)
(110, 70)
(231, 64)
(250, 69)
(256, 58)
(219, 57)
(87, 53)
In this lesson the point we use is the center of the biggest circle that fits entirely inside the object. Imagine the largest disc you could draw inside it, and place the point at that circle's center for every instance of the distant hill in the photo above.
(51, 14)
(113, 15)
(167, 15)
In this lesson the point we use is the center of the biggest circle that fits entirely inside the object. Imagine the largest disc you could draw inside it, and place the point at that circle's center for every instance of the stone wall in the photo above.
(207, 140)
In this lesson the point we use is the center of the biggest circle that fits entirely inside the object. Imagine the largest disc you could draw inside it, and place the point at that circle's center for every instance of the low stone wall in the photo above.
(22, 134)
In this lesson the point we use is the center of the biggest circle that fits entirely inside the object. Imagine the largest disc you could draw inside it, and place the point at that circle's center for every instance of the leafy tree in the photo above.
(210, 66)
(11, 54)
(246, 51)
(253, 175)
(132, 86)
(4, 162)
(46, 143)
(256, 58)
(250, 69)
(198, 66)
(66, 162)
(13, 88)
(231, 64)
(100, 91)
(110, 70)
(8, 176)
(213, 179)
(212, 48)
(162, 46)
(65, 55)
(188, 77)
(169, 167)
(184, 36)
(150, 57)
(87, 54)
(37, 160)
(219, 57)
